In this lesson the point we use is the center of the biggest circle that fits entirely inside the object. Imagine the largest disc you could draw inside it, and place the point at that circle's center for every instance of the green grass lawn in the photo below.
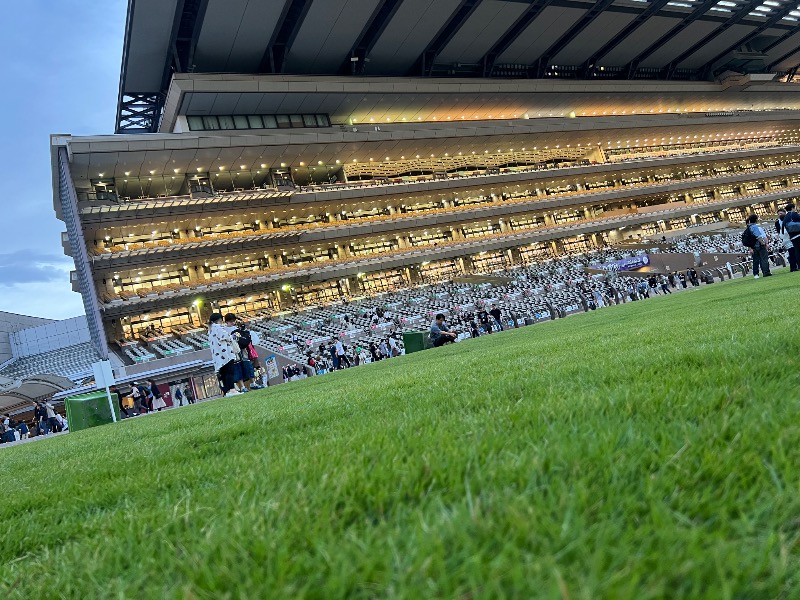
(649, 450)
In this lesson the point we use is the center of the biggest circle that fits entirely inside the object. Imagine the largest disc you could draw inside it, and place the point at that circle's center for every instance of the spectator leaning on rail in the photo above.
(223, 353)
(760, 247)
(440, 333)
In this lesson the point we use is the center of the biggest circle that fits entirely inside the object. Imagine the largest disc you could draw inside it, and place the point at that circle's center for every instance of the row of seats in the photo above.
(514, 197)
(73, 362)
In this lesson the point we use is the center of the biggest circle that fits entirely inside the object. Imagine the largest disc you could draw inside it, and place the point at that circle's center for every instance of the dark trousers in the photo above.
(442, 340)
(794, 255)
(226, 377)
(760, 260)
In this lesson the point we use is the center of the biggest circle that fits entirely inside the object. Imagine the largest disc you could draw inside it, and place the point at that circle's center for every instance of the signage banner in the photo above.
(271, 364)
(626, 264)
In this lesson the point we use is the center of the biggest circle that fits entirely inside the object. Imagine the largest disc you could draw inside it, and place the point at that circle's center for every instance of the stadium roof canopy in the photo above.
(19, 394)
(535, 39)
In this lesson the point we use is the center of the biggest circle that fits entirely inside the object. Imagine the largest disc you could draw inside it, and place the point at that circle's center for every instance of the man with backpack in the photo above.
(243, 366)
(791, 225)
(755, 238)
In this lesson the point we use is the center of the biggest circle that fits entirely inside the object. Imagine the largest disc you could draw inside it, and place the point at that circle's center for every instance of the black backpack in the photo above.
(749, 239)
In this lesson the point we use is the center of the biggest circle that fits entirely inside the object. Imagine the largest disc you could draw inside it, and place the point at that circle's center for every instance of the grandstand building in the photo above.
(271, 154)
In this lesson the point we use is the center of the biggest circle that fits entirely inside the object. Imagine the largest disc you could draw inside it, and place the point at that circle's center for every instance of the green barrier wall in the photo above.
(414, 341)
(90, 410)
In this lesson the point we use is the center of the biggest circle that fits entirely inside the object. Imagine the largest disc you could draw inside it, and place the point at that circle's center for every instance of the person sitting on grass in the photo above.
(440, 332)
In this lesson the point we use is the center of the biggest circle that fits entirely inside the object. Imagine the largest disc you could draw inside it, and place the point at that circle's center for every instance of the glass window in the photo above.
(323, 121)
(309, 120)
(270, 122)
(195, 123)
(296, 120)
(255, 122)
(226, 123)
(240, 121)
(283, 121)
(210, 123)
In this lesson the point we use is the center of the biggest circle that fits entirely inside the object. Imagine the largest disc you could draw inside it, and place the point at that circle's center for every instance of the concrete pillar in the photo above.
(503, 226)
(191, 233)
(411, 274)
(548, 220)
(556, 247)
(461, 265)
(262, 226)
(182, 234)
(343, 251)
(716, 194)
(191, 272)
(205, 312)
(270, 224)
(273, 262)
(344, 286)
(457, 233)
(392, 210)
(588, 213)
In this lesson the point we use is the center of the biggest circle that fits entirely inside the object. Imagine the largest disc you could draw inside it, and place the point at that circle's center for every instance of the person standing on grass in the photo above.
(760, 249)
(334, 356)
(179, 395)
(786, 239)
(665, 285)
(789, 224)
(496, 315)
(223, 353)
(440, 332)
(158, 401)
(671, 279)
(483, 317)
(341, 354)
(188, 393)
(52, 422)
(138, 404)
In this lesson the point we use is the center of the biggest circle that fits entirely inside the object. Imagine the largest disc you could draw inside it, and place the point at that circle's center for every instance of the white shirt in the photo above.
(339, 348)
(221, 345)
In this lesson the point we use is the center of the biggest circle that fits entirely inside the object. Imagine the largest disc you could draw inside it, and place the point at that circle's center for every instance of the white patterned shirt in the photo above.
(223, 348)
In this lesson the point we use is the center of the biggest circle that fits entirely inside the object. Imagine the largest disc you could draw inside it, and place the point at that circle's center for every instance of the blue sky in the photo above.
(60, 72)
